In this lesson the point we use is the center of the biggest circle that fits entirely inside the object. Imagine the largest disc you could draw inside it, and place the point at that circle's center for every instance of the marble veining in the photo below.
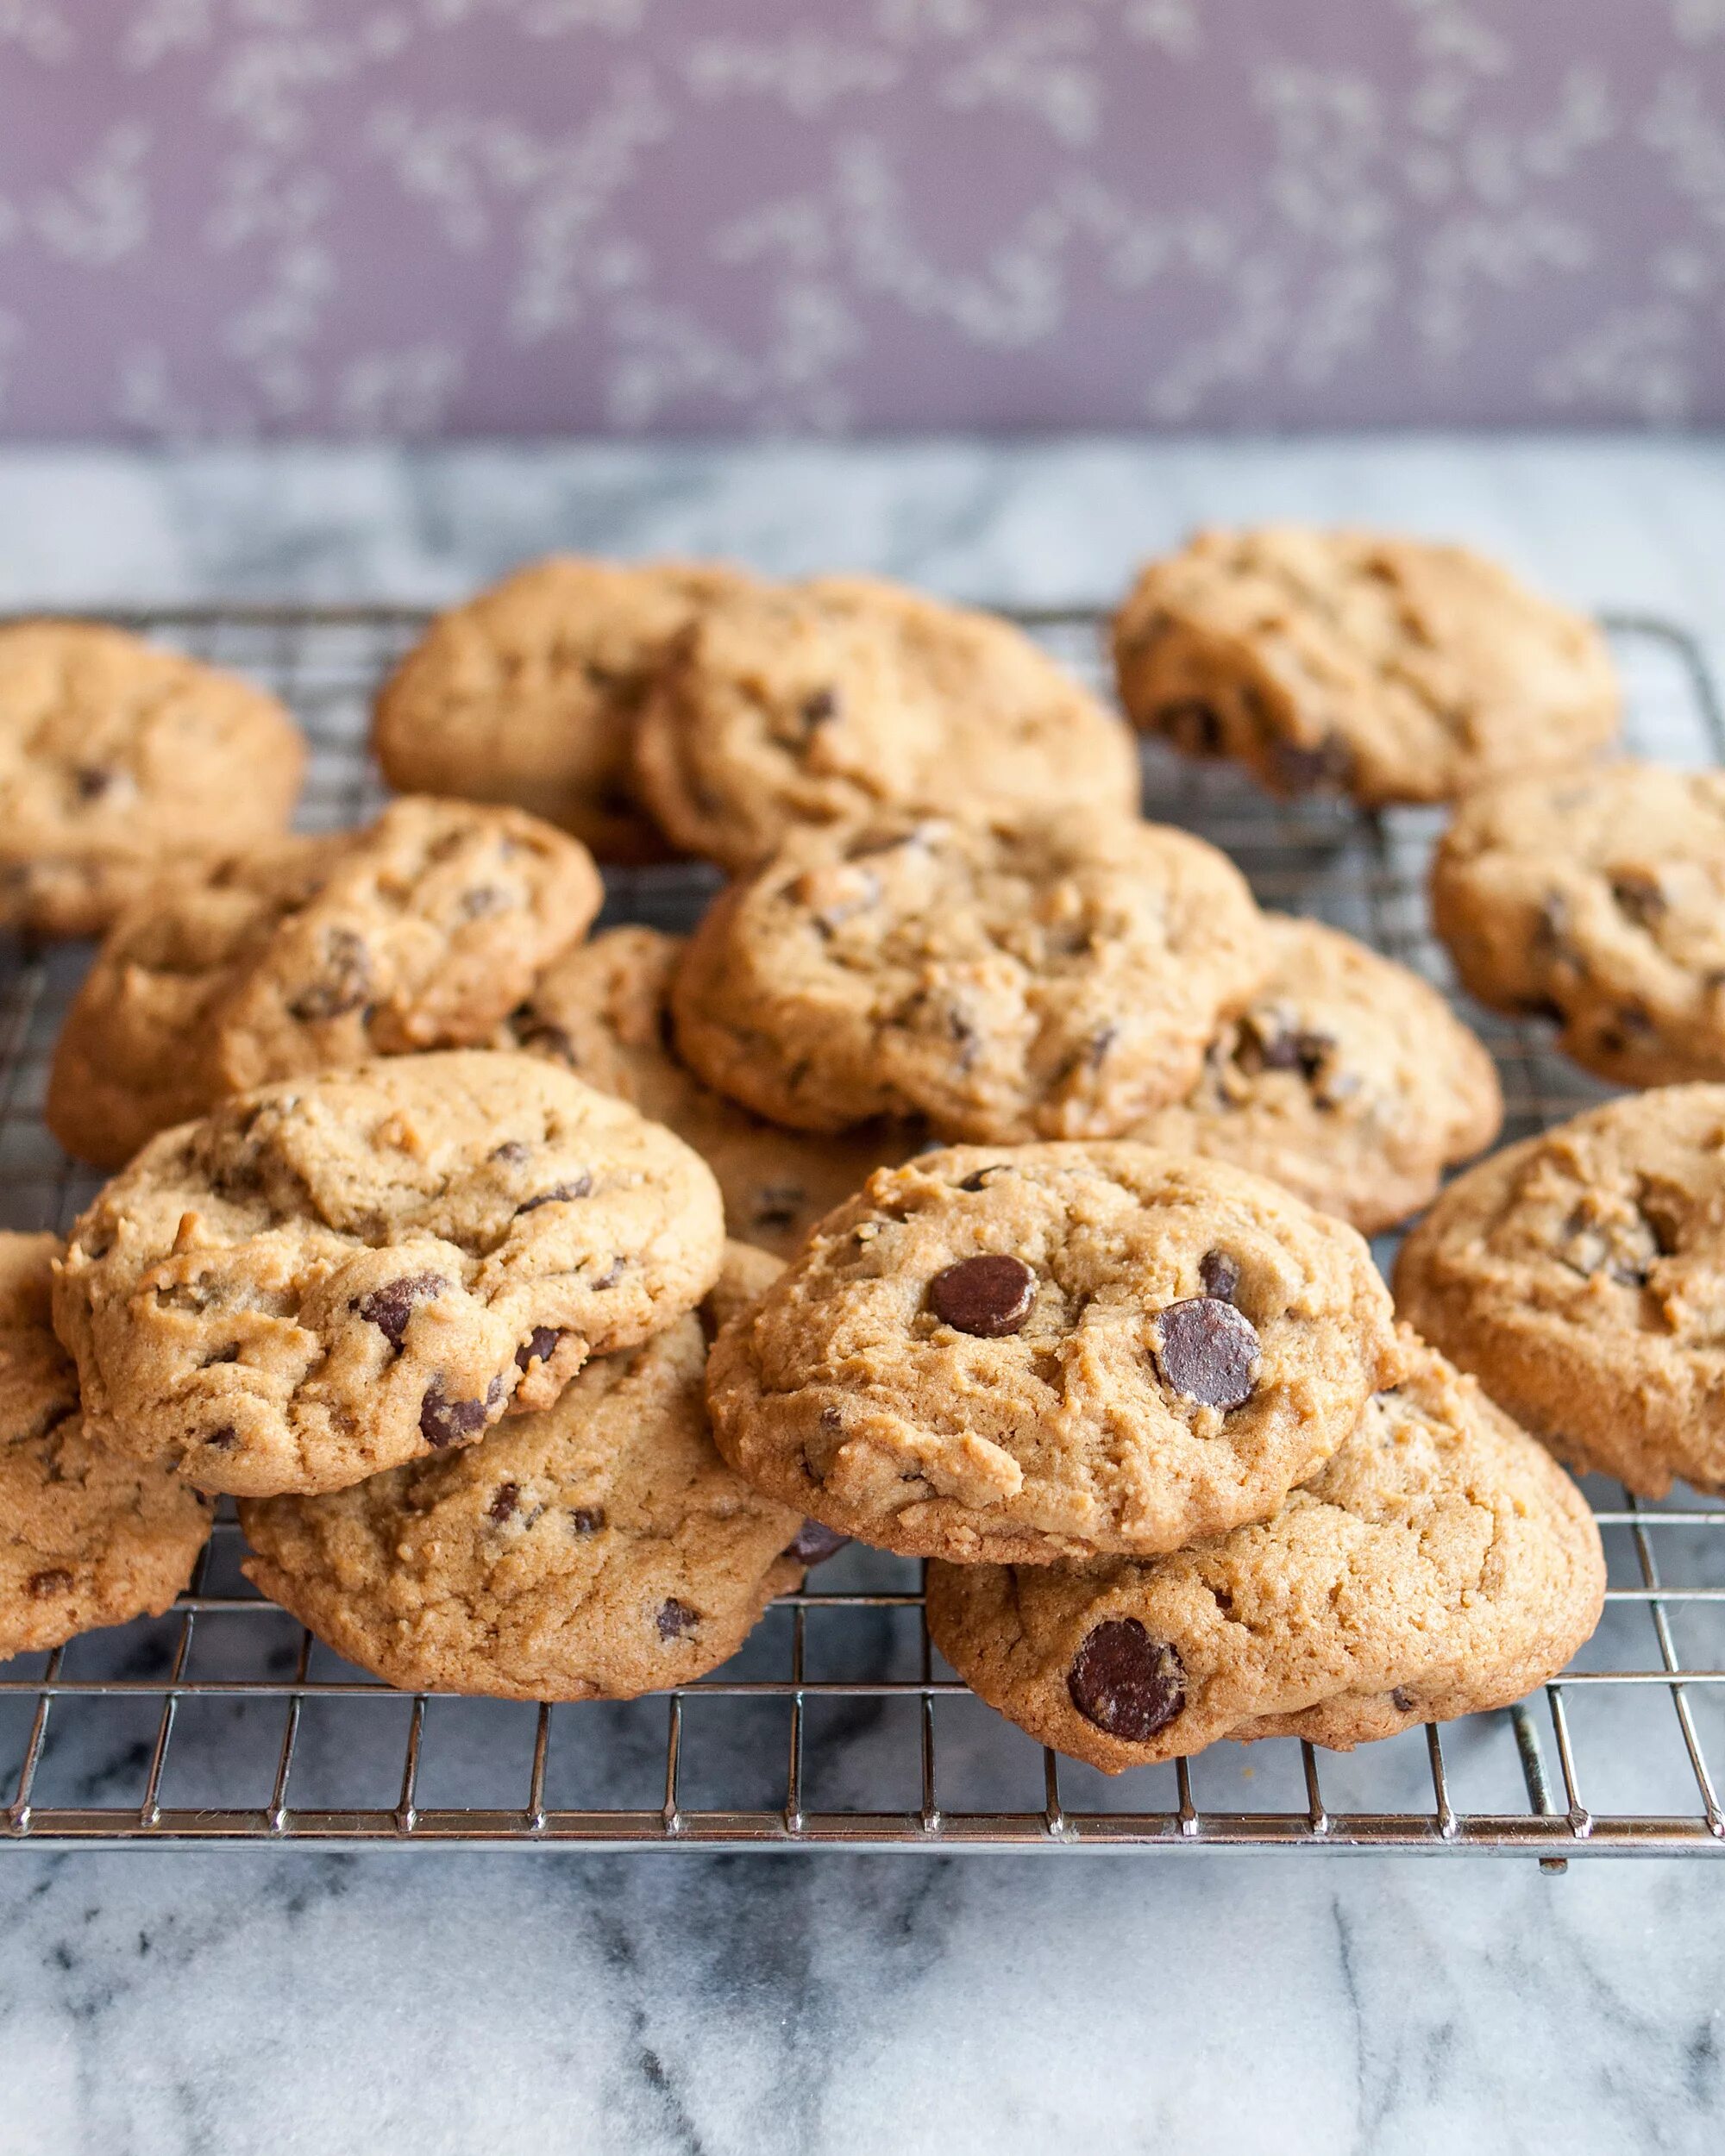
(166, 2002)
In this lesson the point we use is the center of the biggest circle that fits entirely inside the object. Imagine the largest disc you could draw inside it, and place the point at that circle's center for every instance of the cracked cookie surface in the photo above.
(598, 1550)
(782, 705)
(1347, 1078)
(331, 1275)
(1581, 1276)
(528, 693)
(1035, 1353)
(422, 930)
(603, 1012)
(119, 761)
(1015, 978)
(1597, 896)
(1391, 669)
(88, 1536)
(1441, 1564)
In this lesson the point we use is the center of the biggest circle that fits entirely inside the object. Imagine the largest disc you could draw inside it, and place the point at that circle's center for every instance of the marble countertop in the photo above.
(157, 2003)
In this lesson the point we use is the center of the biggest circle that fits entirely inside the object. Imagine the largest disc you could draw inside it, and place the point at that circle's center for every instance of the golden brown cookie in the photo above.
(118, 761)
(1441, 1565)
(1597, 896)
(598, 1550)
(88, 1536)
(1346, 1078)
(1392, 669)
(331, 1275)
(1024, 1354)
(1025, 976)
(421, 930)
(528, 693)
(783, 705)
(1581, 1276)
(602, 1010)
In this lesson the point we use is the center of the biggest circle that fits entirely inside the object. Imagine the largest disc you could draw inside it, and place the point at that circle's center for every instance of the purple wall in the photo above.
(230, 217)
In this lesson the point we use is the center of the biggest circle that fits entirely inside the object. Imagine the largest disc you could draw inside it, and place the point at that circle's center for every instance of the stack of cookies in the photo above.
(446, 1233)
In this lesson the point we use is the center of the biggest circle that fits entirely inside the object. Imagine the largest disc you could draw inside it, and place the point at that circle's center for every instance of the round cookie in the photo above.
(88, 1537)
(331, 1275)
(1347, 1078)
(781, 706)
(1597, 896)
(599, 1549)
(1392, 669)
(602, 1011)
(1441, 1565)
(420, 931)
(527, 694)
(118, 761)
(1020, 977)
(1579, 1276)
(1022, 1354)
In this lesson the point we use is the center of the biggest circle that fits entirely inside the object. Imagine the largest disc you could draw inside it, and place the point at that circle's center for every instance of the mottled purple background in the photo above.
(242, 217)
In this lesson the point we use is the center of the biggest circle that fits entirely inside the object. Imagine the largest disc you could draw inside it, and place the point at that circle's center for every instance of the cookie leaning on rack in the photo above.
(419, 932)
(1439, 1564)
(331, 1275)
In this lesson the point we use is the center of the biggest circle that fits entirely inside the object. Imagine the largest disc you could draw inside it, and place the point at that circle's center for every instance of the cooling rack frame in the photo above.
(1364, 871)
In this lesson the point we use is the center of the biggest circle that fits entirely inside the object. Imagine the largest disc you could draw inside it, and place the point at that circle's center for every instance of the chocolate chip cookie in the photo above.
(422, 930)
(1019, 1355)
(1346, 1078)
(1439, 1564)
(1597, 897)
(1581, 1276)
(1018, 977)
(602, 1011)
(528, 693)
(333, 1274)
(118, 761)
(599, 1549)
(88, 1536)
(1390, 669)
(783, 705)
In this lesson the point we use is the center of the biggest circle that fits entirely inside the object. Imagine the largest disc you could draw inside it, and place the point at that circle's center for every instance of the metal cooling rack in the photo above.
(225, 1723)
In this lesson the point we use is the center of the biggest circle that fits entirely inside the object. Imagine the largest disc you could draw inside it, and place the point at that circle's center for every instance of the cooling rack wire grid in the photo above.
(836, 1726)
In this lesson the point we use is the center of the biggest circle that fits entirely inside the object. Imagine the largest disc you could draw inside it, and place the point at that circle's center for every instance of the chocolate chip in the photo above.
(445, 1422)
(92, 782)
(585, 1520)
(819, 707)
(539, 1346)
(1208, 1351)
(1402, 1702)
(611, 1275)
(813, 1544)
(1639, 897)
(1193, 725)
(512, 1152)
(505, 1502)
(777, 1205)
(390, 1306)
(54, 1581)
(676, 1618)
(1126, 1683)
(1272, 1039)
(559, 1193)
(988, 1296)
(223, 1439)
(1101, 1041)
(979, 1180)
(345, 980)
(1219, 1275)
